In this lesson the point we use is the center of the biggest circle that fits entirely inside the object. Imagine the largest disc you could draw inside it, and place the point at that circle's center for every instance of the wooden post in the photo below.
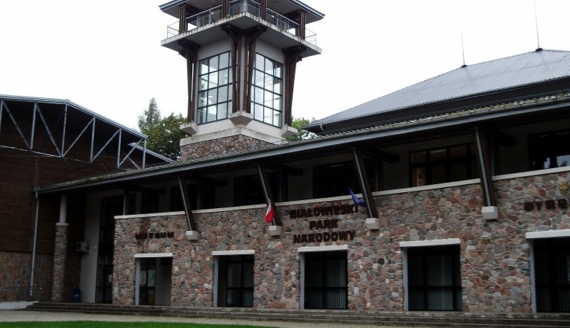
(364, 184)
(484, 169)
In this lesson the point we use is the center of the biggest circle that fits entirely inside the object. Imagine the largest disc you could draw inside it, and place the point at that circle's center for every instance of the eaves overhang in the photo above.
(469, 116)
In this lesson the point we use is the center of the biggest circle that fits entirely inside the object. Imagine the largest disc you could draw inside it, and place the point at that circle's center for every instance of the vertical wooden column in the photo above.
(483, 162)
(292, 56)
(190, 52)
(182, 13)
(263, 9)
(225, 8)
(251, 38)
(235, 35)
(364, 184)
(302, 24)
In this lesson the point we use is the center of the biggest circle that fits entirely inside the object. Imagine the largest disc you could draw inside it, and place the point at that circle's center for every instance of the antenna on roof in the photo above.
(462, 46)
(536, 25)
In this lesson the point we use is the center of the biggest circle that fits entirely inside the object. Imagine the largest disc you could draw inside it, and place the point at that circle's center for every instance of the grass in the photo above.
(98, 324)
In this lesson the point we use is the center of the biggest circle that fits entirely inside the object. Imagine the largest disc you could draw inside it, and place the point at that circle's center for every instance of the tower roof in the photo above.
(467, 82)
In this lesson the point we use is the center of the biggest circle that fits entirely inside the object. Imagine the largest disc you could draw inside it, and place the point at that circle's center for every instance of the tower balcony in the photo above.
(204, 27)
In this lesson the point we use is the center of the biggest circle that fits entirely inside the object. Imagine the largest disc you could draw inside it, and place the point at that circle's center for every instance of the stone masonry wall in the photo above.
(494, 256)
(221, 146)
(15, 269)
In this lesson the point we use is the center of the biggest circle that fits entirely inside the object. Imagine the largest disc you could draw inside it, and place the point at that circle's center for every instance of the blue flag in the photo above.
(357, 201)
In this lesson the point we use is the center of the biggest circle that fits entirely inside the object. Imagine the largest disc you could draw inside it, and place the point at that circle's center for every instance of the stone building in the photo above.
(448, 195)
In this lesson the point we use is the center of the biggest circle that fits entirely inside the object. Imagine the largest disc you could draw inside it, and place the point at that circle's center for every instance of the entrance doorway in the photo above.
(235, 280)
(552, 274)
(325, 280)
(434, 278)
(153, 280)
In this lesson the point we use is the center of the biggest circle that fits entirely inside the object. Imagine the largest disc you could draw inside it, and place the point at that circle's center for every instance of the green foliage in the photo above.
(150, 117)
(163, 134)
(298, 123)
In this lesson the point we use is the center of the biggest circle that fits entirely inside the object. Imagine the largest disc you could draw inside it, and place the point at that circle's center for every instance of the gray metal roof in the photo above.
(500, 74)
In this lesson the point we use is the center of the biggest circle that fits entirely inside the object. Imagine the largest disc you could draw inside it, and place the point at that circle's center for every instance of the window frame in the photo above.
(469, 160)
(275, 108)
(202, 116)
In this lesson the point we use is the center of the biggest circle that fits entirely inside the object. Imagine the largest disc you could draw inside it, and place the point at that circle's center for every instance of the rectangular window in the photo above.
(214, 94)
(325, 280)
(552, 274)
(442, 165)
(248, 189)
(235, 280)
(200, 198)
(266, 90)
(335, 179)
(434, 278)
(548, 150)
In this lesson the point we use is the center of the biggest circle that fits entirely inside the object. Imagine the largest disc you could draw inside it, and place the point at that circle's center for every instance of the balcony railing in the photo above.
(214, 14)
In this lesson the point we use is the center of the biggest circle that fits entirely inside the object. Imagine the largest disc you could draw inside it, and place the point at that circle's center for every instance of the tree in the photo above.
(163, 134)
(150, 117)
(299, 123)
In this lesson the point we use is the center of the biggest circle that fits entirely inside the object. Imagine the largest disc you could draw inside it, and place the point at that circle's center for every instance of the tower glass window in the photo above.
(267, 90)
(215, 92)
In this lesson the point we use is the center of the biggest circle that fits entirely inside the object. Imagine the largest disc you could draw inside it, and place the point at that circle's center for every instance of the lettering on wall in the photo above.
(318, 237)
(323, 211)
(154, 235)
(549, 204)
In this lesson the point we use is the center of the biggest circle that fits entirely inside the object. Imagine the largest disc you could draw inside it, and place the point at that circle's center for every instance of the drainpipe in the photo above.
(34, 248)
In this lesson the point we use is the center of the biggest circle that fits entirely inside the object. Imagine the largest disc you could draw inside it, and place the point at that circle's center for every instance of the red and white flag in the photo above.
(269, 214)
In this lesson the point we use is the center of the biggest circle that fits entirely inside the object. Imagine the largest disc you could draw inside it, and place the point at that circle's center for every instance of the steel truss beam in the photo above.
(17, 127)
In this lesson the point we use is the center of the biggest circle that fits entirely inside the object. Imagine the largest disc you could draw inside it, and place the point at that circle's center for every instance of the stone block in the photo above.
(490, 212)
(275, 231)
(192, 235)
(373, 223)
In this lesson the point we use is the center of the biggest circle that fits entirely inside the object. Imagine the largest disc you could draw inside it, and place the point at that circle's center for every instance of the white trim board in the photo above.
(435, 242)
(323, 248)
(152, 255)
(226, 253)
(547, 234)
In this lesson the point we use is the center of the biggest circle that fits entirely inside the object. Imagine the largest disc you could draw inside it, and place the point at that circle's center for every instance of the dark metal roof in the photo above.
(492, 76)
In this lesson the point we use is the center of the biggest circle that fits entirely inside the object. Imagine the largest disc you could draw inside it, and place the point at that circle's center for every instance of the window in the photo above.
(434, 278)
(235, 281)
(215, 92)
(548, 150)
(248, 189)
(266, 90)
(325, 280)
(552, 271)
(331, 180)
(207, 197)
(441, 165)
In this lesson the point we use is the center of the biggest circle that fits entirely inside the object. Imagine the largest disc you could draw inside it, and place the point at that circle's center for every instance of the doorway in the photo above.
(153, 280)
(325, 280)
(552, 274)
(235, 280)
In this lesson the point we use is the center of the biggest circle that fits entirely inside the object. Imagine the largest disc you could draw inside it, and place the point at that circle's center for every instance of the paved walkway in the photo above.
(18, 315)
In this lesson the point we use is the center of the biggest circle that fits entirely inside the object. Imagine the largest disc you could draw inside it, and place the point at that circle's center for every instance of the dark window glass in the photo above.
(434, 278)
(552, 272)
(442, 165)
(549, 150)
(248, 189)
(325, 280)
(235, 281)
(200, 198)
(331, 180)
(150, 203)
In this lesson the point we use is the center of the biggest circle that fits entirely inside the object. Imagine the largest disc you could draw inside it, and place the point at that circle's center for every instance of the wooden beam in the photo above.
(251, 36)
(364, 184)
(267, 191)
(225, 8)
(484, 167)
(235, 35)
(292, 56)
(187, 206)
(191, 54)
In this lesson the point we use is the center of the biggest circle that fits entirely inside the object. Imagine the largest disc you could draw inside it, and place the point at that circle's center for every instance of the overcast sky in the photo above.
(105, 55)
